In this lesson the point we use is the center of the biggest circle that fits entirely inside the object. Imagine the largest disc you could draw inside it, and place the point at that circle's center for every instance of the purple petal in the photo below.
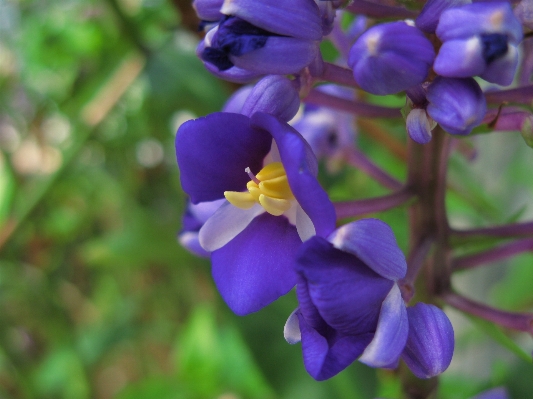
(291, 331)
(419, 126)
(430, 343)
(477, 18)
(296, 18)
(428, 18)
(279, 56)
(302, 168)
(502, 70)
(208, 10)
(347, 294)
(391, 57)
(391, 334)
(458, 105)
(274, 95)
(237, 100)
(256, 267)
(460, 58)
(372, 241)
(323, 359)
(190, 241)
(213, 152)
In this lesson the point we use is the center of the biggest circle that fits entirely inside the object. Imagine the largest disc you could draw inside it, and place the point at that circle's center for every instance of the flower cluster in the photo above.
(257, 208)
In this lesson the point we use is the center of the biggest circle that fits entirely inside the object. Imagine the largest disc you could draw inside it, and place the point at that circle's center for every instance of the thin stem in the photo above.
(337, 74)
(492, 255)
(359, 108)
(378, 133)
(355, 208)
(379, 10)
(359, 160)
(522, 94)
(415, 261)
(509, 230)
(512, 320)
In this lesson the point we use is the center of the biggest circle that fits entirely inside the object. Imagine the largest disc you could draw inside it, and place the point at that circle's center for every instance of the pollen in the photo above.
(269, 187)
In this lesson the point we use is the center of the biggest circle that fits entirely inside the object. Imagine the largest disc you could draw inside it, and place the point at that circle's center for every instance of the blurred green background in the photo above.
(98, 300)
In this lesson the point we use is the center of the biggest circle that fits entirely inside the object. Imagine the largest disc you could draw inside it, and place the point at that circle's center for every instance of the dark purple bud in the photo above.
(458, 105)
(430, 342)
(391, 57)
(274, 95)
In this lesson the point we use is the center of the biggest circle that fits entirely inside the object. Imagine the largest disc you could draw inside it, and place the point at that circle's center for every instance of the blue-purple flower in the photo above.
(479, 39)
(261, 37)
(391, 57)
(351, 307)
(457, 105)
(267, 172)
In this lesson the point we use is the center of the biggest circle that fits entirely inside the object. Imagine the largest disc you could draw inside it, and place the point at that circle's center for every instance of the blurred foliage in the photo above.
(97, 299)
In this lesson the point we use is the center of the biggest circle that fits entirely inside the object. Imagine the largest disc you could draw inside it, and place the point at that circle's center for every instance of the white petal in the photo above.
(304, 225)
(291, 331)
(225, 224)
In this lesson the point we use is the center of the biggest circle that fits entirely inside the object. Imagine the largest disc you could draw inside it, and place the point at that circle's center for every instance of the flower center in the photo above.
(269, 187)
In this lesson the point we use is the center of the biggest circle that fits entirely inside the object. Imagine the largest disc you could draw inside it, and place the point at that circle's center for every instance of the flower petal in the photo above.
(391, 334)
(280, 56)
(323, 359)
(213, 152)
(302, 168)
(296, 18)
(226, 223)
(372, 241)
(256, 267)
(495, 393)
(304, 224)
(347, 294)
(291, 331)
(430, 343)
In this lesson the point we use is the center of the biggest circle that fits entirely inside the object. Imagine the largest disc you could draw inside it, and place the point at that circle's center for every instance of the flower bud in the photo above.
(430, 342)
(419, 125)
(458, 105)
(428, 19)
(391, 57)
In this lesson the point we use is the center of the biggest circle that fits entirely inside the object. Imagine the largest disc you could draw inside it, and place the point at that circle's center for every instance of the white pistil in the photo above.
(252, 176)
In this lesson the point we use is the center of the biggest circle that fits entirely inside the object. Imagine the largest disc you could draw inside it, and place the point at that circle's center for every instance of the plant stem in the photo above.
(508, 230)
(359, 160)
(361, 207)
(337, 74)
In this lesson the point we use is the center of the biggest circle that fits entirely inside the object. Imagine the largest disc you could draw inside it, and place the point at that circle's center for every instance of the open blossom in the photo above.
(351, 307)
(479, 39)
(267, 173)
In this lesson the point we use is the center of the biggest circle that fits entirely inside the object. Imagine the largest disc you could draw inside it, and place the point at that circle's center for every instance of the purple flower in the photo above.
(495, 393)
(267, 173)
(350, 306)
(428, 19)
(262, 37)
(458, 105)
(208, 10)
(479, 39)
(391, 57)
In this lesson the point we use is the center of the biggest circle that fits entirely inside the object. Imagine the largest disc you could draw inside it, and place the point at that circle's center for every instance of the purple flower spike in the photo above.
(430, 343)
(458, 105)
(267, 173)
(391, 57)
(274, 95)
(479, 39)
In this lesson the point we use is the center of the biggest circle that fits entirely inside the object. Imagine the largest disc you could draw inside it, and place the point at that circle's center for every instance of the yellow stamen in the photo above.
(269, 187)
